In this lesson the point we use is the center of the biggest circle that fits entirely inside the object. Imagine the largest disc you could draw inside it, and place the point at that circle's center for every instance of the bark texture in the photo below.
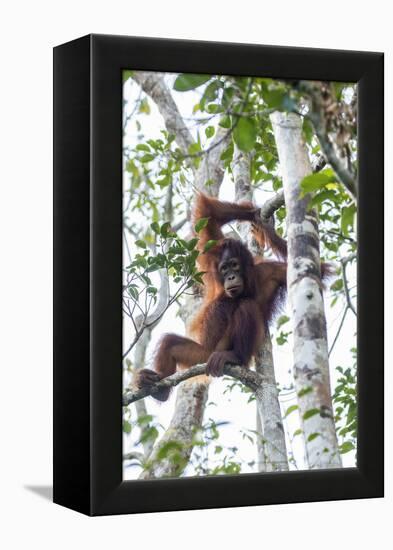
(311, 363)
(184, 425)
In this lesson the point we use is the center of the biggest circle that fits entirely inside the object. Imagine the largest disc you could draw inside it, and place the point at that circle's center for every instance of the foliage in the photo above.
(345, 401)
(159, 177)
(172, 255)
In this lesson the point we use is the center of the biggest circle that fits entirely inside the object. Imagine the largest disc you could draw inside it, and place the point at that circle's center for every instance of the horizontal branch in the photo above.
(270, 206)
(246, 376)
(133, 455)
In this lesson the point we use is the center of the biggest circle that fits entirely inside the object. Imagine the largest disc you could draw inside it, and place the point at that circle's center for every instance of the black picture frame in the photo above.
(88, 261)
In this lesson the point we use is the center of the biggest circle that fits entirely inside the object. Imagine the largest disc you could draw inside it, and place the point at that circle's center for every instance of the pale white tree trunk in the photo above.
(268, 407)
(272, 453)
(310, 351)
(186, 422)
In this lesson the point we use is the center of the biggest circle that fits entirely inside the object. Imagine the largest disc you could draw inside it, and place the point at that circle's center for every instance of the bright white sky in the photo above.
(231, 407)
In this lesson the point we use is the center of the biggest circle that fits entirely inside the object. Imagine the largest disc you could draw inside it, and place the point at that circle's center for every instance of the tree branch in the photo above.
(134, 455)
(317, 117)
(154, 86)
(271, 205)
(338, 330)
(344, 263)
(249, 378)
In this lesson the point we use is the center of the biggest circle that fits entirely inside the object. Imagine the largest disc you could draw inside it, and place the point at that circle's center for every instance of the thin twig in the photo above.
(344, 263)
(338, 330)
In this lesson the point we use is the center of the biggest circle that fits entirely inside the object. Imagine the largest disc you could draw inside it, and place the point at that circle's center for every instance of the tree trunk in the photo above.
(167, 461)
(272, 453)
(310, 350)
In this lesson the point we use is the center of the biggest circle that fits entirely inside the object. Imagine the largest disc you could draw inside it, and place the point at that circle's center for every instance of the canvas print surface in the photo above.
(239, 275)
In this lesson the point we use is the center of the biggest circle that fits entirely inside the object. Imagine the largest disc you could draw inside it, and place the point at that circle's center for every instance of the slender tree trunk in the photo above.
(272, 453)
(167, 461)
(268, 406)
(310, 352)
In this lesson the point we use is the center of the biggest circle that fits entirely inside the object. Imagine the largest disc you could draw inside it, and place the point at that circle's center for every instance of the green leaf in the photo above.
(165, 228)
(337, 285)
(282, 320)
(282, 338)
(313, 182)
(126, 75)
(169, 448)
(187, 81)
(304, 391)
(147, 158)
(210, 244)
(192, 243)
(164, 182)
(151, 290)
(346, 447)
(225, 121)
(194, 149)
(210, 93)
(133, 291)
(144, 106)
(214, 108)
(201, 224)
(278, 99)
(140, 243)
(313, 436)
(144, 419)
(209, 131)
(310, 413)
(290, 410)
(126, 427)
(227, 96)
(245, 134)
(347, 218)
(308, 131)
(228, 153)
(143, 147)
(150, 434)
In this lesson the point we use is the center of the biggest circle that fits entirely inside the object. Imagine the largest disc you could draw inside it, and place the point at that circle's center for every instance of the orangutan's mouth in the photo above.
(234, 289)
